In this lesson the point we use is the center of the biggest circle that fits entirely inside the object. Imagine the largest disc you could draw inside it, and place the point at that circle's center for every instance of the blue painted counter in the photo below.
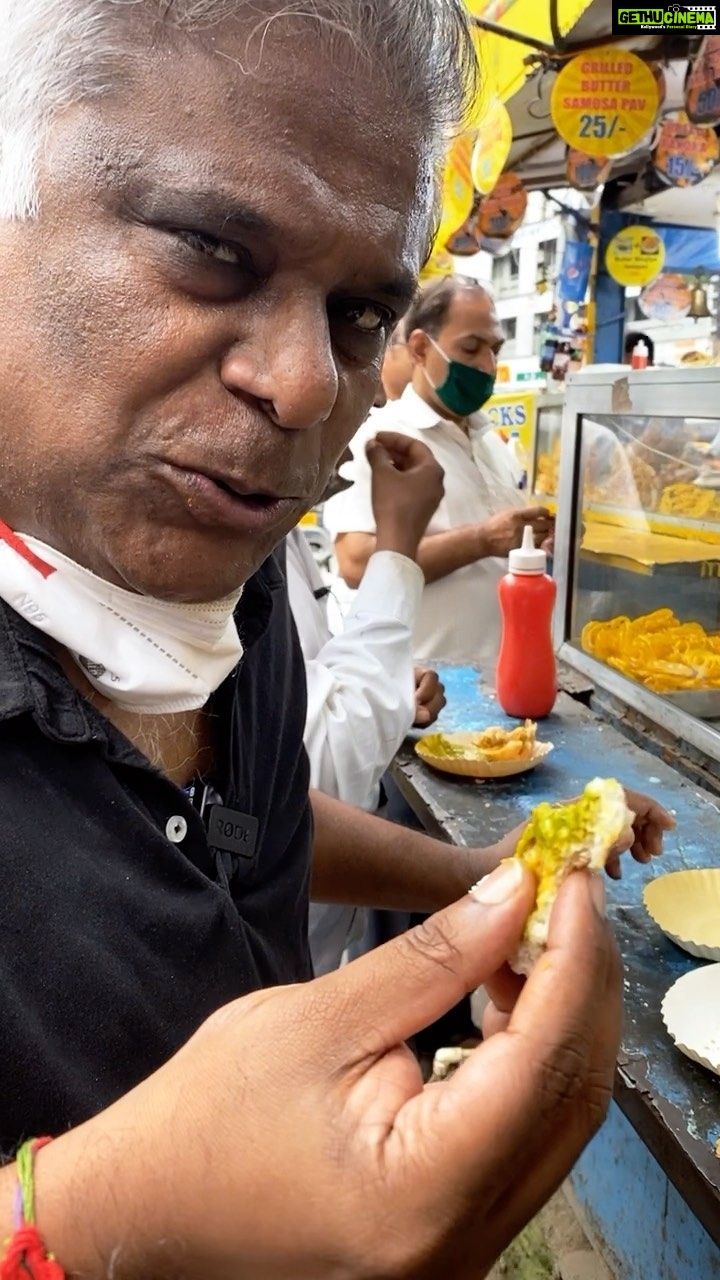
(656, 1221)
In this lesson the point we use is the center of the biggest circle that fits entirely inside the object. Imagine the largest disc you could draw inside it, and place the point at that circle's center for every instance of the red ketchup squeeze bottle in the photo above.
(526, 676)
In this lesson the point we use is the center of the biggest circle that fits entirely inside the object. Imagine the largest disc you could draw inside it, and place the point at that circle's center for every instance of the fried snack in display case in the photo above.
(637, 547)
(657, 650)
(548, 430)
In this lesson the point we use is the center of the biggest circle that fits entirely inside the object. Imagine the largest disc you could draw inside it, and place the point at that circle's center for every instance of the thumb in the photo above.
(377, 455)
(410, 982)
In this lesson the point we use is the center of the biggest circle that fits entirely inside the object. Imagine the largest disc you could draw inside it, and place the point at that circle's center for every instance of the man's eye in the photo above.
(369, 317)
(210, 247)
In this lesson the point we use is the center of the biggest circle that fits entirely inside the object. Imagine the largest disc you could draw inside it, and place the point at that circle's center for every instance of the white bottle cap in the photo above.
(528, 558)
(641, 349)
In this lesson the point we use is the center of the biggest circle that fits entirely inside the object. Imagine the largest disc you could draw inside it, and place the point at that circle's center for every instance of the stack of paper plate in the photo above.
(691, 1013)
(686, 906)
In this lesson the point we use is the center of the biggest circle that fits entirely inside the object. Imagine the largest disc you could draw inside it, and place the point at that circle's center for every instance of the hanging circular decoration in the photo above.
(702, 84)
(635, 256)
(492, 146)
(586, 173)
(501, 213)
(466, 242)
(496, 248)
(685, 153)
(604, 101)
(458, 194)
(668, 298)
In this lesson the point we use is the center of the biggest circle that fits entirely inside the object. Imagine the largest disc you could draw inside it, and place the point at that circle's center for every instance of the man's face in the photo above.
(194, 325)
(471, 333)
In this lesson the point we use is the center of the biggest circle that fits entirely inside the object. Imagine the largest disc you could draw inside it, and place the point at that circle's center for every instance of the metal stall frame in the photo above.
(673, 393)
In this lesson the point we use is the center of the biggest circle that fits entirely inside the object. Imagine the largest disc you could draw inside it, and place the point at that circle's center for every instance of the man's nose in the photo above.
(487, 361)
(291, 370)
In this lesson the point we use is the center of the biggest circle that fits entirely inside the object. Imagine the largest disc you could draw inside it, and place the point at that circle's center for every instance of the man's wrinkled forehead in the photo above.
(299, 120)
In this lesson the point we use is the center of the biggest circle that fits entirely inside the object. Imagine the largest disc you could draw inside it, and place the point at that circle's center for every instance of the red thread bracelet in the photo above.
(26, 1257)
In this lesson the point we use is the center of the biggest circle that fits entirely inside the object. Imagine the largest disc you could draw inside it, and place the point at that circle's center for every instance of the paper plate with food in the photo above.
(492, 753)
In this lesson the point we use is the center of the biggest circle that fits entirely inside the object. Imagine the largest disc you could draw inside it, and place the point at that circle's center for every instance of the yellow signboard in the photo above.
(492, 147)
(635, 256)
(604, 101)
(458, 194)
(513, 411)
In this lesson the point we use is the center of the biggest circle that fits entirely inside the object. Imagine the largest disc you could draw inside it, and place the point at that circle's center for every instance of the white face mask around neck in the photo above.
(152, 657)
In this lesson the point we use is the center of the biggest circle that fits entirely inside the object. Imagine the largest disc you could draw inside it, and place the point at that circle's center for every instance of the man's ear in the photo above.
(418, 344)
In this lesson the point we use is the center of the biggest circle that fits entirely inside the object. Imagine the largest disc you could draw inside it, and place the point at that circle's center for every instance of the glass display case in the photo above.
(637, 551)
(546, 463)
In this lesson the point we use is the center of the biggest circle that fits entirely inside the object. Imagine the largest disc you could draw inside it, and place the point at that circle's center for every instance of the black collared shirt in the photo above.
(117, 938)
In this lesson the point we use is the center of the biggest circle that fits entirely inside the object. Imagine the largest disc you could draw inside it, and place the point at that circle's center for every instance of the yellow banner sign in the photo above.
(438, 264)
(514, 411)
(603, 102)
(492, 147)
(458, 193)
(635, 256)
(503, 61)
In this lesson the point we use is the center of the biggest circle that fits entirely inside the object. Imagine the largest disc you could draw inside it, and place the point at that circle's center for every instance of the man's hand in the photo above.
(293, 1136)
(502, 533)
(644, 839)
(429, 697)
(407, 488)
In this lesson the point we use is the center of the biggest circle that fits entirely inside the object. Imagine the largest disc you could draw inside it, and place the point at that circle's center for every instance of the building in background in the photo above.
(523, 281)
(523, 277)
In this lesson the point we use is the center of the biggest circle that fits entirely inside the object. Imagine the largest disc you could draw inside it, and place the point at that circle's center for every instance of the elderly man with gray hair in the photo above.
(212, 215)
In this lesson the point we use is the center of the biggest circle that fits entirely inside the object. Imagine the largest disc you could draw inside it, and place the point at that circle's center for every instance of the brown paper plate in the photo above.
(473, 766)
(691, 1013)
(686, 906)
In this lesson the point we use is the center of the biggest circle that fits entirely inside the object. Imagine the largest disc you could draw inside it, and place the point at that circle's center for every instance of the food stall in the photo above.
(629, 127)
(630, 463)
(638, 548)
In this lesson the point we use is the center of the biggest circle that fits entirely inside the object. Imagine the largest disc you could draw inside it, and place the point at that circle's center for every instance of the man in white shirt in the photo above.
(397, 369)
(453, 337)
(362, 693)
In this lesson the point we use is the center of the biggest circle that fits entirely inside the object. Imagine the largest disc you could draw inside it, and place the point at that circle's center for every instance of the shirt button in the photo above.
(176, 829)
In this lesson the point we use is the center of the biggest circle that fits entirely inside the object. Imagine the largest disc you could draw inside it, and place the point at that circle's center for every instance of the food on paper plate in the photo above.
(563, 838)
(507, 744)
(491, 745)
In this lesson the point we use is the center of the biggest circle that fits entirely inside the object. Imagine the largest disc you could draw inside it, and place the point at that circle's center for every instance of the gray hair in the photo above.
(56, 53)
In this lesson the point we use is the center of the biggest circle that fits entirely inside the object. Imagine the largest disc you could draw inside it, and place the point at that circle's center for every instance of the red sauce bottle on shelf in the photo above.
(526, 676)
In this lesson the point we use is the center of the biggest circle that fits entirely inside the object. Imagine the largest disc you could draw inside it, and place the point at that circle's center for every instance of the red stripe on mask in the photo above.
(17, 544)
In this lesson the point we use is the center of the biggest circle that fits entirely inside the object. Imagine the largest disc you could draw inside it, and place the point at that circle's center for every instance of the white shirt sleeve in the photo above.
(361, 688)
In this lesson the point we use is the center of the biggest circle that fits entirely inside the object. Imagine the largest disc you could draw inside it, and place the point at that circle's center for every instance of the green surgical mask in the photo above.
(465, 389)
